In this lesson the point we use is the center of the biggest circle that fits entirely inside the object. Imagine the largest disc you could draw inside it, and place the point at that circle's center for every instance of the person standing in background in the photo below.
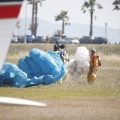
(47, 39)
(59, 49)
(93, 67)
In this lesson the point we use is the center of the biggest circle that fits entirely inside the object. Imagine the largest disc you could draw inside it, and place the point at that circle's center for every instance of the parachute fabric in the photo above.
(79, 64)
(38, 68)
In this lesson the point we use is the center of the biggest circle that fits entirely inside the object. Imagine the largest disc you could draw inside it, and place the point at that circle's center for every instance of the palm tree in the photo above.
(36, 11)
(34, 23)
(64, 18)
(91, 7)
(116, 4)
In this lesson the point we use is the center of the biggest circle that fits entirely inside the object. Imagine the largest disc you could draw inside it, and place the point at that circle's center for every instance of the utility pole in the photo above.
(34, 18)
(106, 30)
(119, 36)
(36, 24)
(25, 20)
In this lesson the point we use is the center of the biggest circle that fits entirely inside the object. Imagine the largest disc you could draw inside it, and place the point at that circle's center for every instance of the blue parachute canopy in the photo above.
(38, 68)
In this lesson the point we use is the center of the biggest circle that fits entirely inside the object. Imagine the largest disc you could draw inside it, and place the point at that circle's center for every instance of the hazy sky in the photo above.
(50, 8)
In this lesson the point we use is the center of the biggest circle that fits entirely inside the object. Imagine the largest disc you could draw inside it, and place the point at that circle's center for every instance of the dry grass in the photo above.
(66, 109)
(72, 99)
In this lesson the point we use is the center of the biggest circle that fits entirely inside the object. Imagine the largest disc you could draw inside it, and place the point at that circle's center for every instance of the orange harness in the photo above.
(96, 56)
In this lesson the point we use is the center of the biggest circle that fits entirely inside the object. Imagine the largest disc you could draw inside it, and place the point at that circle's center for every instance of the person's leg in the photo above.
(91, 77)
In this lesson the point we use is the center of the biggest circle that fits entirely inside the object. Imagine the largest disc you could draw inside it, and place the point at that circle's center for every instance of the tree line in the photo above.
(62, 16)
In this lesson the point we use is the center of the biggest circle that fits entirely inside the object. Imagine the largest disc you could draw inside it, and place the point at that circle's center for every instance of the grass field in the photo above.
(73, 99)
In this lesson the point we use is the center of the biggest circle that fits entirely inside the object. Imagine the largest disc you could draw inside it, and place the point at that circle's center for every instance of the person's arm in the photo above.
(95, 66)
(66, 56)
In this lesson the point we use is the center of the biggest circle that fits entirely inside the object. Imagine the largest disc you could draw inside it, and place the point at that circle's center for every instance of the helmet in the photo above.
(63, 46)
(94, 50)
(56, 47)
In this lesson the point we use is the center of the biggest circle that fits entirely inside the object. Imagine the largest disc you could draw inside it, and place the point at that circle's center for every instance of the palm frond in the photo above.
(92, 2)
(84, 11)
(116, 7)
(86, 4)
(57, 18)
(67, 23)
(99, 6)
(82, 8)
(62, 16)
(40, 1)
(116, 2)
